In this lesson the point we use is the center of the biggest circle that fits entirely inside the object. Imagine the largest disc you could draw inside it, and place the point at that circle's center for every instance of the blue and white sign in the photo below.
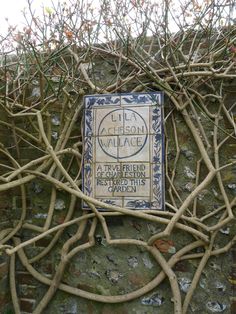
(123, 160)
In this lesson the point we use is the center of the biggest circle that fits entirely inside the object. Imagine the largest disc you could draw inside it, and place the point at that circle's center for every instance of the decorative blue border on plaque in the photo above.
(126, 98)
(155, 102)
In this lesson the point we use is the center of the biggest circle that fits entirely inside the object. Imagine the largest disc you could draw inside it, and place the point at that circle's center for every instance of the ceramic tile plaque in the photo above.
(123, 150)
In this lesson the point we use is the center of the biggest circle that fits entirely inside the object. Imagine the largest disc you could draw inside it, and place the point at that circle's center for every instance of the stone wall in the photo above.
(116, 270)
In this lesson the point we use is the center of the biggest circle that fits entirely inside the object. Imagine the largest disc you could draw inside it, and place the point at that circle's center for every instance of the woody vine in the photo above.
(50, 65)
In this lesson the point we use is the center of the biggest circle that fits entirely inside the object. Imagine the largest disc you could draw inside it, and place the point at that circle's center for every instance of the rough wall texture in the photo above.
(114, 270)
